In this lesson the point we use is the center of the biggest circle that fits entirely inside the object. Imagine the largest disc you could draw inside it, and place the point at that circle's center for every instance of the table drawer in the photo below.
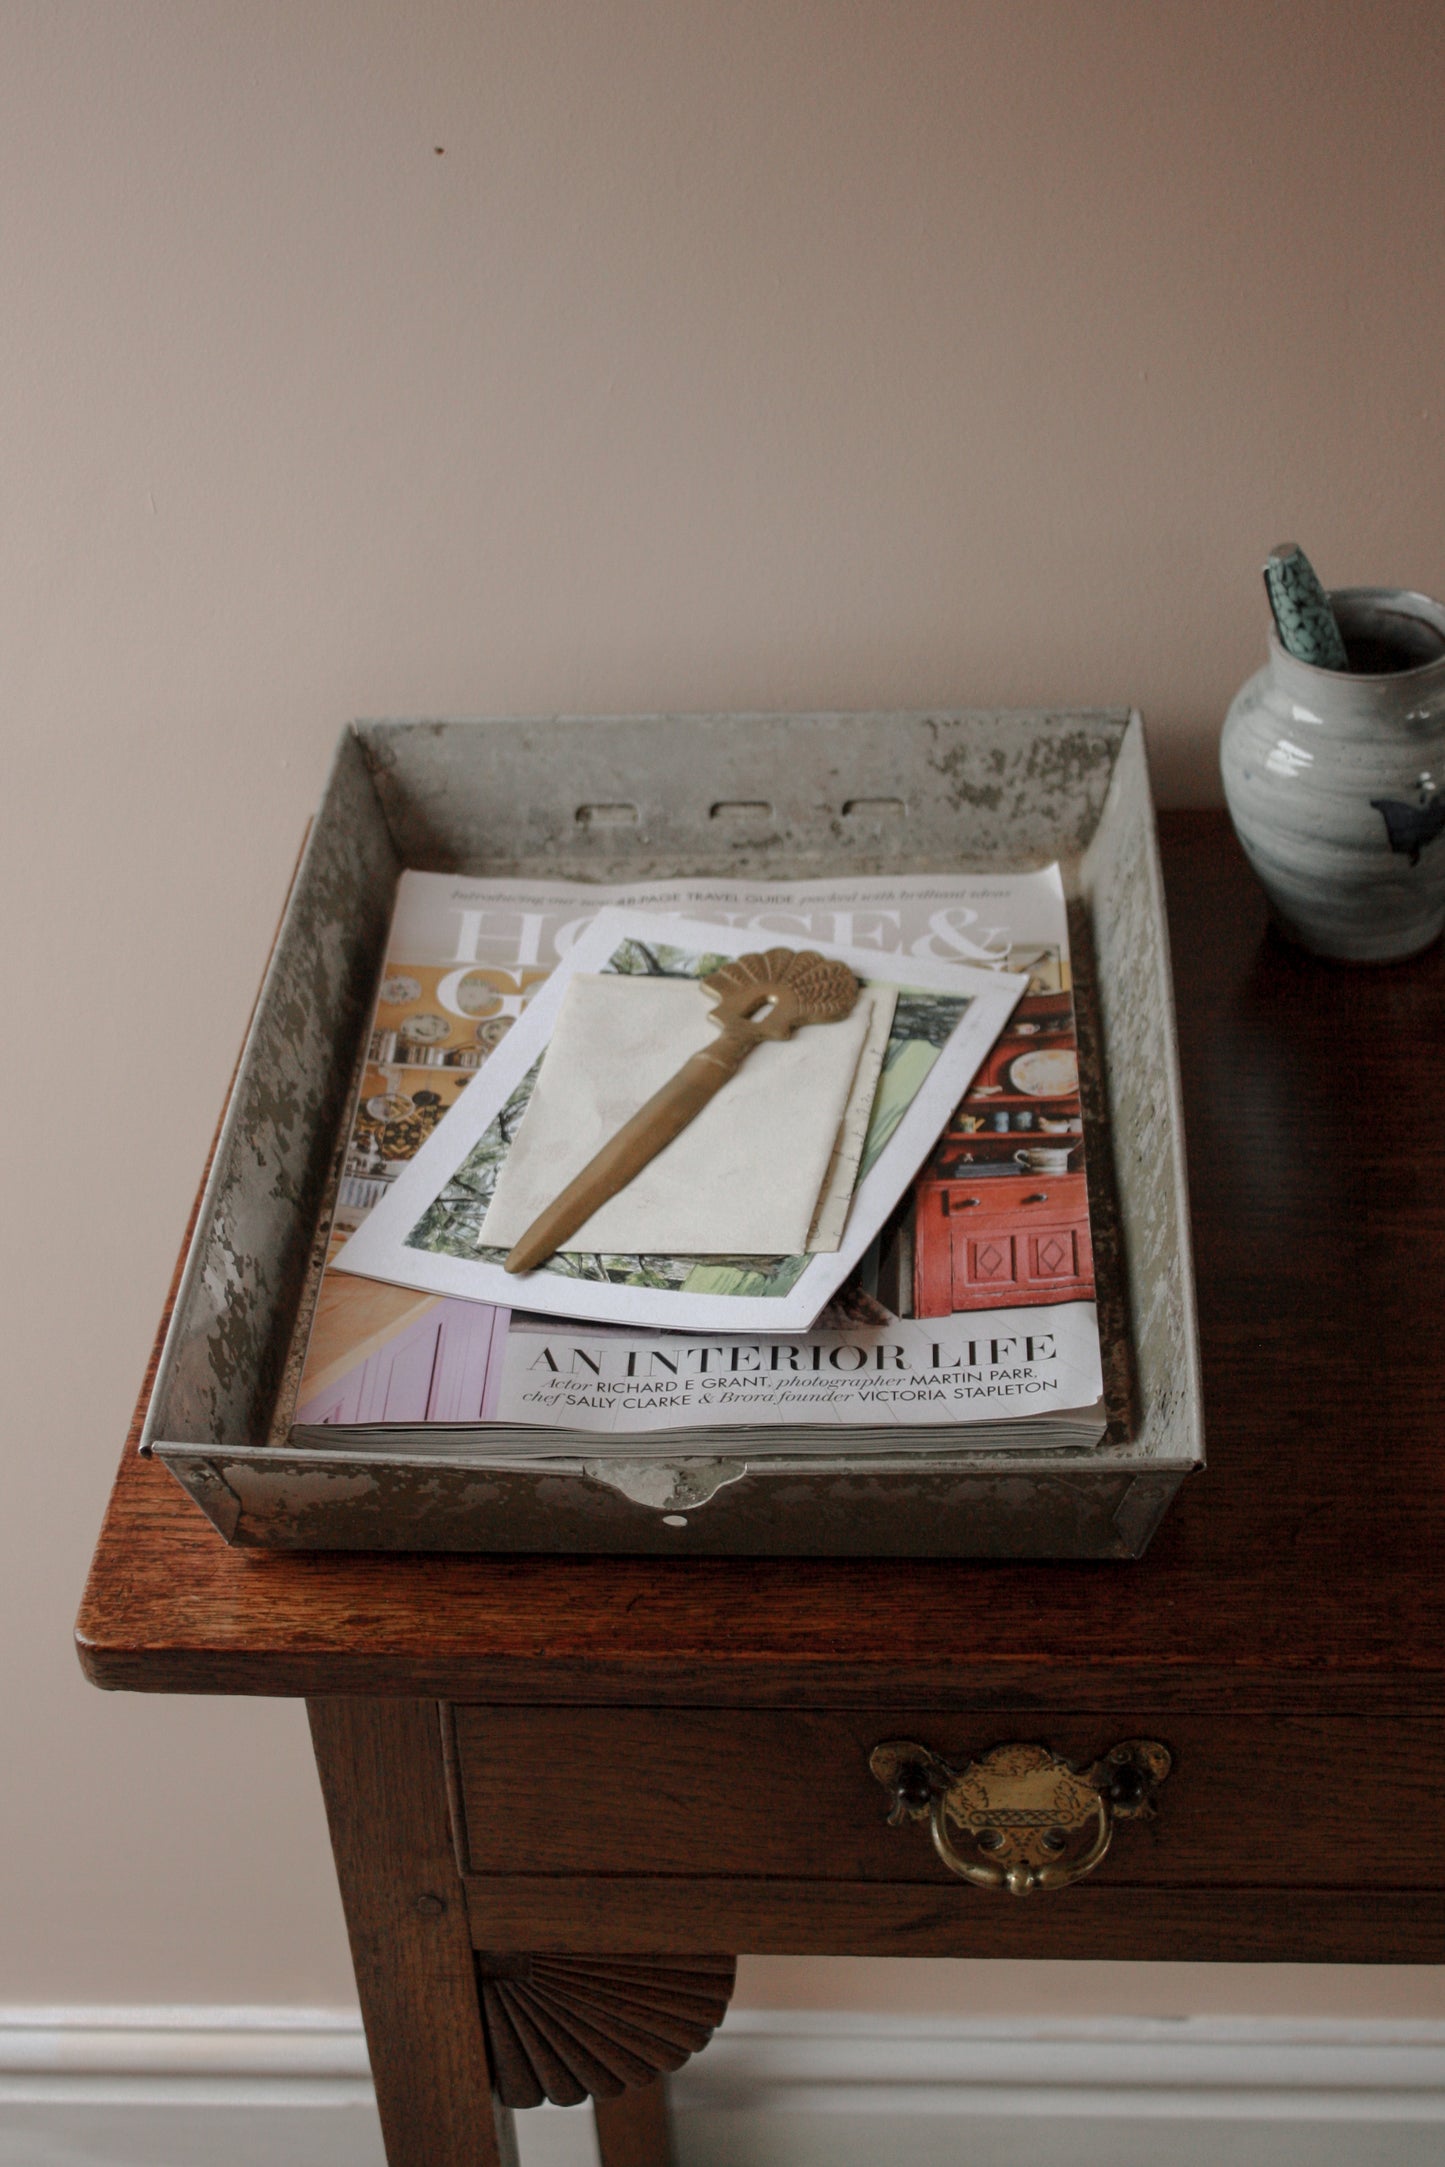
(1261, 1802)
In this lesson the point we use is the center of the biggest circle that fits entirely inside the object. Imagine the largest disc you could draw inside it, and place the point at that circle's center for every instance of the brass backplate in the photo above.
(1020, 1818)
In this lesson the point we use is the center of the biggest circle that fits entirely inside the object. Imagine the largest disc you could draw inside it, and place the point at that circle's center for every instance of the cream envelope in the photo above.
(744, 1178)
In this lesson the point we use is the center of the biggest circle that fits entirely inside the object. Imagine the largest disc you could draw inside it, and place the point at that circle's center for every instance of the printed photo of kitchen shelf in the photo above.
(1002, 1210)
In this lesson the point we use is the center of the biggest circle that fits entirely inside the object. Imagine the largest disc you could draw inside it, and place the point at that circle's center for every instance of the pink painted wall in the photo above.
(470, 355)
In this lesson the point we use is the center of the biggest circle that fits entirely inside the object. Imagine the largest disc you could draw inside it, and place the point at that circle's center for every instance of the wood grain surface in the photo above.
(1300, 1573)
(1253, 1800)
(380, 1763)
(632, 2131)
(569, 2028)
(871, 1918)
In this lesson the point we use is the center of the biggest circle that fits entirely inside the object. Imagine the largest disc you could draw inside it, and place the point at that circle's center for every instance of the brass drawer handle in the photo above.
(1027, 1821)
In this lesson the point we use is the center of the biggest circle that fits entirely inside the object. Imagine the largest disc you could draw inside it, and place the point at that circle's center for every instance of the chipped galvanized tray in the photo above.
(752, 796)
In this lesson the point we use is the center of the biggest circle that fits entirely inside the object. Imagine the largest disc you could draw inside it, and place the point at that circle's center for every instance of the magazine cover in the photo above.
(991, 1249)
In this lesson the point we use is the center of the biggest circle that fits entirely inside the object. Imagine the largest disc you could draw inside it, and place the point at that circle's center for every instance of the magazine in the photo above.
(969, 1322)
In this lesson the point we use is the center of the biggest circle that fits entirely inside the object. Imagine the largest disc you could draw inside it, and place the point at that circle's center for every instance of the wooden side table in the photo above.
(562, 1791)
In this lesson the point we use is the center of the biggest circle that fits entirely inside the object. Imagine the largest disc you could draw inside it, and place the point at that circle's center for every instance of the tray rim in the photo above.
(1130, 750)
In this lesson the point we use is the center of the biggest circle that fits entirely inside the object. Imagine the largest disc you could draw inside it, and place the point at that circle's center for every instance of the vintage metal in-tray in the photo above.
(750, 796)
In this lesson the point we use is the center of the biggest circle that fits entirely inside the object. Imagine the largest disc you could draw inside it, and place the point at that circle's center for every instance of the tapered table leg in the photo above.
(381, 1774)
(632, 2130)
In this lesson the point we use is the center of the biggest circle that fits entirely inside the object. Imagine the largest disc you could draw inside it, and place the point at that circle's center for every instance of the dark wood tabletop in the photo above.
(1302, 1571)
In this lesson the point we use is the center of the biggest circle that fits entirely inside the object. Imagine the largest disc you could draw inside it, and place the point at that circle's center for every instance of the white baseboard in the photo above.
(190, 2056)
(1172, 2068)
(166, 2087)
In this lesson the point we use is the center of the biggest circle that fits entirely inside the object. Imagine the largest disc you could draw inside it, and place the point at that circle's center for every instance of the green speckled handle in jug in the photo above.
(1301, 609)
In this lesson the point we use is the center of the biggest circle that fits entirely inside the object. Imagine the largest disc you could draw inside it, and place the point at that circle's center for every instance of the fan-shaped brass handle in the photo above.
(1019, 1818)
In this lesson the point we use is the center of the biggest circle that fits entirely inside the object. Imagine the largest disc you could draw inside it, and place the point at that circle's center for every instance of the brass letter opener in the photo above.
(755, 997)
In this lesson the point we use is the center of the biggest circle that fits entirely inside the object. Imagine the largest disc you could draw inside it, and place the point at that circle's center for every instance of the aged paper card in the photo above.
(743, 1178)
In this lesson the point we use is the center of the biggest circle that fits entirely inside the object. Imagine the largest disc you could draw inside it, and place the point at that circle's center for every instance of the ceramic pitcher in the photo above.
(1336, 780)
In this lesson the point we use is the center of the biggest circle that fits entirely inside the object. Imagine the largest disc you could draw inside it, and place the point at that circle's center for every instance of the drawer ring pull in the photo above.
(1025, 1821)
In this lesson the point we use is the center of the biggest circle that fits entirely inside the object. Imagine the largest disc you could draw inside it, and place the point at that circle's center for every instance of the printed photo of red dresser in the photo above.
(1002, 1214)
